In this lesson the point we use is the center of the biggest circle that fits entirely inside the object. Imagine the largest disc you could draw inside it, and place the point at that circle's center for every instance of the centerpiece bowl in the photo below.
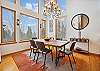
(47, 39)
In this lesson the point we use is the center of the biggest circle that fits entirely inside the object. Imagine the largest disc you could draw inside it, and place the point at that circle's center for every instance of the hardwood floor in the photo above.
(94, 63)
(84, 62)
(8, 64)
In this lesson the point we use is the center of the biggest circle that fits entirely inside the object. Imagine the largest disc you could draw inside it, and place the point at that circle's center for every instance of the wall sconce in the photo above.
(18, 22)
(40, 26)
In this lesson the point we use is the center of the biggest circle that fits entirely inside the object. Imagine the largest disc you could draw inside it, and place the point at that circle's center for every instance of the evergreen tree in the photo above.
(29, 32)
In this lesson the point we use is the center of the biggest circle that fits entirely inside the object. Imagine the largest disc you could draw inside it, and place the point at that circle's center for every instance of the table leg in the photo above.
(56, 62)
(64, 50)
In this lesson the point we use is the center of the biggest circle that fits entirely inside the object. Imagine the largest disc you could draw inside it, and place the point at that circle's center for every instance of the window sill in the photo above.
(8, 43)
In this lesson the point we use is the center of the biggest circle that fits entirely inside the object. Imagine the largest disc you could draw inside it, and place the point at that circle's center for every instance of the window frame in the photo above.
(37, 29)
(8, 42)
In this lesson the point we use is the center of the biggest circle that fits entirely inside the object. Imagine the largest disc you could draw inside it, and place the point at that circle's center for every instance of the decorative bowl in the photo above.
(47, 39)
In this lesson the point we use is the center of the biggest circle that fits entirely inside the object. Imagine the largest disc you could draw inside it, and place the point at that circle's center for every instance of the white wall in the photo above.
(11, 48)
(92, 31)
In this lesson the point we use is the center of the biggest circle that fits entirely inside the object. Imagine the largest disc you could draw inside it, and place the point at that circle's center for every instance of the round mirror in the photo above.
(80, 21)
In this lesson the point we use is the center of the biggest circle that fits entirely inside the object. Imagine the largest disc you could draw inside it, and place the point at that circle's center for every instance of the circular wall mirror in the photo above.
(80, 21)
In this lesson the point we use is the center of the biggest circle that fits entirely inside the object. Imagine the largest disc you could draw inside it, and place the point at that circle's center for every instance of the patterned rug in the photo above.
(25, 63)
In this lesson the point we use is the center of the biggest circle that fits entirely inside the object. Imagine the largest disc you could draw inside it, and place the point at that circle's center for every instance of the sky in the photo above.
(62, 4)
(30, 4)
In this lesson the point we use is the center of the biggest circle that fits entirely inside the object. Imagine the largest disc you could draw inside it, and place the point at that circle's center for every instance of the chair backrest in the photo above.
(58, 39)
(34, 37)
(72, 46)
(32, 42)
(40, 45)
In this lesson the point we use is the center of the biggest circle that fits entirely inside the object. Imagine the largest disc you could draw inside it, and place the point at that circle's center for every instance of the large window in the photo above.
(8, 26)
(30, 4)
(28, 27)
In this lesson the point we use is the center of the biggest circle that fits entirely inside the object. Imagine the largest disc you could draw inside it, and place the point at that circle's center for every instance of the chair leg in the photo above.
(49, 47)
(73, 58)
(70, 62)
(52, 55)
(34, 55)
(58, 57)
(31, 52)
(44, 62)
(37, 58)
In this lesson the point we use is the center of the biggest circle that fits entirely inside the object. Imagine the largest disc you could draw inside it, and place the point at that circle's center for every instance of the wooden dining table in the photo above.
(54, 43)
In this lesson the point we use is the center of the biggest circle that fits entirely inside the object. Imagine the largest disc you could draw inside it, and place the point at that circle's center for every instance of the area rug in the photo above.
(24, 63)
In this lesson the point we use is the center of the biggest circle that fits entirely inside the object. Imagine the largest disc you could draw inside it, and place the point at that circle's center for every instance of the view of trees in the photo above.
(28, 27)
(61, 29)
(7, 25)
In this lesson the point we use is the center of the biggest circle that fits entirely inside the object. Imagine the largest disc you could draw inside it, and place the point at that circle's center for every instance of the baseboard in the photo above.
(94, 54)
(86, 52)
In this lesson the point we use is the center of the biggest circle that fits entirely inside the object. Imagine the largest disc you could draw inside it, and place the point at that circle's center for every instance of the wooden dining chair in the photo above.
(44, 51)
(68, 52)
(33, 48)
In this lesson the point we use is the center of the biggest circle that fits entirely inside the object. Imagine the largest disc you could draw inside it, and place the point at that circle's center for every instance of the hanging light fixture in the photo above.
(51, 8)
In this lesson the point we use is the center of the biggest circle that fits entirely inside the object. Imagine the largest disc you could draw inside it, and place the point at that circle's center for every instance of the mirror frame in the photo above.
(82, 27)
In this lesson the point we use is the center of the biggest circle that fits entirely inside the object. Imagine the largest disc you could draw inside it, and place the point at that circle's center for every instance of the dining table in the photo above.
(54, 43)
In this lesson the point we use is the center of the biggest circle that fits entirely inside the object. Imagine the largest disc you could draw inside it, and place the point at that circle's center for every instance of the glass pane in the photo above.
(11, 1)
(30, 4)
(42, 8)
(7, 25)
(61, 28)
(62, 5)
(43, 29)
(28, 27)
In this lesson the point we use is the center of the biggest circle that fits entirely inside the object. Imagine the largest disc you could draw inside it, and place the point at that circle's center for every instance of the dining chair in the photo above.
(33, 48)
(44, 51)
(68, 52)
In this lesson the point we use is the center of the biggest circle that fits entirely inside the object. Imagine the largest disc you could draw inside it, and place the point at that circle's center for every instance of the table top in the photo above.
(55, 43)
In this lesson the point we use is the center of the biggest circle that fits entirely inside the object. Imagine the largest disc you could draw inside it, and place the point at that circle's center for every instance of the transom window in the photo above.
(30, 4)
(10, 1)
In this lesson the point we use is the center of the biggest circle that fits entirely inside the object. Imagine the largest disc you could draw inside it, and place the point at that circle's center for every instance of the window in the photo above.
(30, 4)
(61, 28)
(28, 27)
(8, 20)
(10, 1)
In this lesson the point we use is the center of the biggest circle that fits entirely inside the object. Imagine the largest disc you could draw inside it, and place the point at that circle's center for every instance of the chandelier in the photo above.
(51, 8)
